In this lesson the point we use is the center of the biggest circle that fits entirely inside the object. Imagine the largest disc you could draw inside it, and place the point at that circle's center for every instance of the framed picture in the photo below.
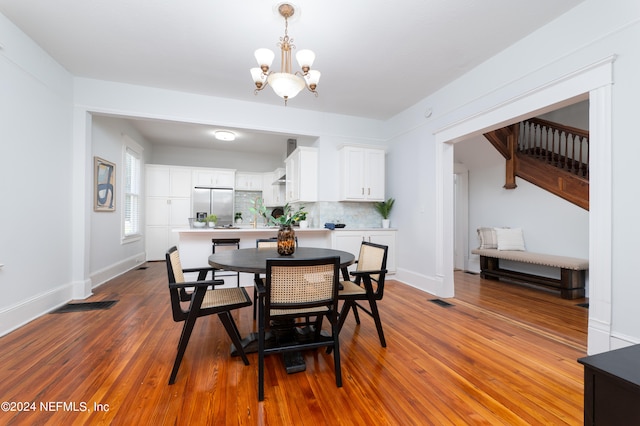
(104, 199)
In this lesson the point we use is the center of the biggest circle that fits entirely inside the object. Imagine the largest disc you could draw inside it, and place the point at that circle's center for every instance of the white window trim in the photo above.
(129, 143)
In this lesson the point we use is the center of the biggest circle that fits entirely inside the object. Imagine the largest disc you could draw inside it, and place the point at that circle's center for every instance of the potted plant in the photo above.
(258, 208)
(384, 208)
(238, 217)
(211, 220)
(286, 234)
(302, 219)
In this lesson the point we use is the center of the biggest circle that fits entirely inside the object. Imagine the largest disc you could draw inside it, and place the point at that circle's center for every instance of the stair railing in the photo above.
(561, 146)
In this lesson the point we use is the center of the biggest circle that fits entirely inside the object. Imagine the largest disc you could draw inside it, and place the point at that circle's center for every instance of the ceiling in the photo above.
(377, 57)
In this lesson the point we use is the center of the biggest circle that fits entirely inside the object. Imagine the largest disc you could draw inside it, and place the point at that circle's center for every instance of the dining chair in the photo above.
(296, 290)
(202, 302)
(367, 286)
(222, 244)
(264, 243)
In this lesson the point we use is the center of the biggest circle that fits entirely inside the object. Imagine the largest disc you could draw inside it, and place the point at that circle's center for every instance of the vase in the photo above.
(286, 241)
(385, 223)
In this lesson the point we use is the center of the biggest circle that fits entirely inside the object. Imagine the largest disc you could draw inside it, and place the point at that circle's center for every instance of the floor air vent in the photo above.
(583, 305)
(440, 302)
(81, 307)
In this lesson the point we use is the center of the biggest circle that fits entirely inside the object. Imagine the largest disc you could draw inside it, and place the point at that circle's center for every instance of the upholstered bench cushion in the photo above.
(565, 262)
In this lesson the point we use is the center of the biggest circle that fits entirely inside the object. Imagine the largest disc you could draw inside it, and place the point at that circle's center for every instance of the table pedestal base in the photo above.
(293, 361)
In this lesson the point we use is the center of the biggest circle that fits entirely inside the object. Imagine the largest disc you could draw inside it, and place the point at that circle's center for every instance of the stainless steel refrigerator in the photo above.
(218, 201)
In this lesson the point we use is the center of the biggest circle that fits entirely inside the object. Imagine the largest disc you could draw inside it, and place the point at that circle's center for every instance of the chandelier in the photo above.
(285, 83)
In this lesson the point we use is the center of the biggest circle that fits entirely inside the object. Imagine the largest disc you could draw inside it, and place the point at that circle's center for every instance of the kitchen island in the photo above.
(195, 244)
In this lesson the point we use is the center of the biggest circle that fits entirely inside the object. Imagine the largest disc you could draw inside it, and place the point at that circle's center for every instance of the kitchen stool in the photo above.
(225, 244)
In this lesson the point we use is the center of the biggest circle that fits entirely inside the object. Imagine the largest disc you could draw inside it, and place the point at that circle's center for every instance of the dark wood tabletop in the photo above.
(254, 260)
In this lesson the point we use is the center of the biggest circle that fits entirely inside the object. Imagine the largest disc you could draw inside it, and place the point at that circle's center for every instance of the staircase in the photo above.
(549, 155)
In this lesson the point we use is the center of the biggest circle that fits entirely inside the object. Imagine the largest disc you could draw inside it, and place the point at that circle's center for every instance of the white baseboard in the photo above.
(16, 316)
(421, 282)
(103, 275)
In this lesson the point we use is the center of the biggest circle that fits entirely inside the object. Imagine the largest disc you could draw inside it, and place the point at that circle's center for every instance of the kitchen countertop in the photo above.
(240, 229)
(265, 229)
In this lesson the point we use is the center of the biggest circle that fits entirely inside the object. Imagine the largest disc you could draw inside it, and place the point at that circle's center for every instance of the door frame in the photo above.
(595, 82)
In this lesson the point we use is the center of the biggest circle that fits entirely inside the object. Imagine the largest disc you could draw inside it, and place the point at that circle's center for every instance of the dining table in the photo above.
(254, 261)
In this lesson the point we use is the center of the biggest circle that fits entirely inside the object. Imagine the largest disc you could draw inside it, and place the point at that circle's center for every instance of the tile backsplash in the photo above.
(354, 215)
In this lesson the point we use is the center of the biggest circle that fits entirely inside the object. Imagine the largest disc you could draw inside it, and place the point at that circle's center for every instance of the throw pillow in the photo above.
(488, 238)
(510, 239)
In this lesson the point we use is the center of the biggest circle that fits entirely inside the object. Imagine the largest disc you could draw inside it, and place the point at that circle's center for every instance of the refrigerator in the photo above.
(218, 201)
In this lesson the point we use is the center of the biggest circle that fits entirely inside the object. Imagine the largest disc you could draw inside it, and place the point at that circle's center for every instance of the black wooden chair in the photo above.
(263, 243)
(296, 290)
(368, 286)
(202, 302)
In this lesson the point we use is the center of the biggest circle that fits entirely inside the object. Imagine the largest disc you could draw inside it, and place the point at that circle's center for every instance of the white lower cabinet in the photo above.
(164, 214)
(351, 240)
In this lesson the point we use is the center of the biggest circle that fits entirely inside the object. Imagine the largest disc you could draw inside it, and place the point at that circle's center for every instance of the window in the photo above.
(131, 210)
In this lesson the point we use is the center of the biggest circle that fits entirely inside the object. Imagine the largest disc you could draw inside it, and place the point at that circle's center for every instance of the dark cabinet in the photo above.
(612, 387)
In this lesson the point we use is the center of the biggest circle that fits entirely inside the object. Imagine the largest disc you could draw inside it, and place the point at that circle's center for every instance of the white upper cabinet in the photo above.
(272, 192)
(302, 175)
(219, 178)
(168, 181)
(362, 173)
(248, 181)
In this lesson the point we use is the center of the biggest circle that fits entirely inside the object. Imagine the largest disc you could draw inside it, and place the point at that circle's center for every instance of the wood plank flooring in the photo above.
(501, 354)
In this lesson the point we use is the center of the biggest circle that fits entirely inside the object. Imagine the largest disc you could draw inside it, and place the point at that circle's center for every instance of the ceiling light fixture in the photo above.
(224, 135)
(286, 84)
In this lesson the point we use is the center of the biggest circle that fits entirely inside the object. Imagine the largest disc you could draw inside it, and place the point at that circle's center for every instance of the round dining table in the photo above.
(254, 261)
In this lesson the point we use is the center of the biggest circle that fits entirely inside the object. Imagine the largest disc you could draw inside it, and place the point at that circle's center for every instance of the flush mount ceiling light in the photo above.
(224, 135)
(286, 84)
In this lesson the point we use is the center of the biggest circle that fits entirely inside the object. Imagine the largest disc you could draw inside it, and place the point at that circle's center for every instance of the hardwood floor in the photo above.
(502, 354)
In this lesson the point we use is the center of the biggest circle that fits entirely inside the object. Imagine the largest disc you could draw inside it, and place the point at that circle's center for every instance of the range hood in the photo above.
(292, 144)
(281, 180)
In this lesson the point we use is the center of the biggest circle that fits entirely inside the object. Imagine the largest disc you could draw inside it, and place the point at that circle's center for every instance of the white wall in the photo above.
(195, 157)
(559, 228)
(331, 130)
(586, 35)
(109, 256)
(549, 224)
(35, 177)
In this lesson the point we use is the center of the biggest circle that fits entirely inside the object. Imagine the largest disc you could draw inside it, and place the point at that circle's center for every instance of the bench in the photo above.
(572, 270)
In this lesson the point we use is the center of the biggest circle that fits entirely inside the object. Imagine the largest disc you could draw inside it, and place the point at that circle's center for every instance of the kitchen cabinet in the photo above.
(362, 173)
(248, 181)
(219, 178)
(168, 205)
(167, 181)
(302, 175)
(273, 193)
(351, 240)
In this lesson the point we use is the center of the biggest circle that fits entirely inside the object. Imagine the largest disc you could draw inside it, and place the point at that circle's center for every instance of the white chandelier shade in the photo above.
(285, 83)
(305, 58)
(264, 57)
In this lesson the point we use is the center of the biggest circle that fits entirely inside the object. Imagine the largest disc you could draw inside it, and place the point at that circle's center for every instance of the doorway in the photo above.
(593, 83)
